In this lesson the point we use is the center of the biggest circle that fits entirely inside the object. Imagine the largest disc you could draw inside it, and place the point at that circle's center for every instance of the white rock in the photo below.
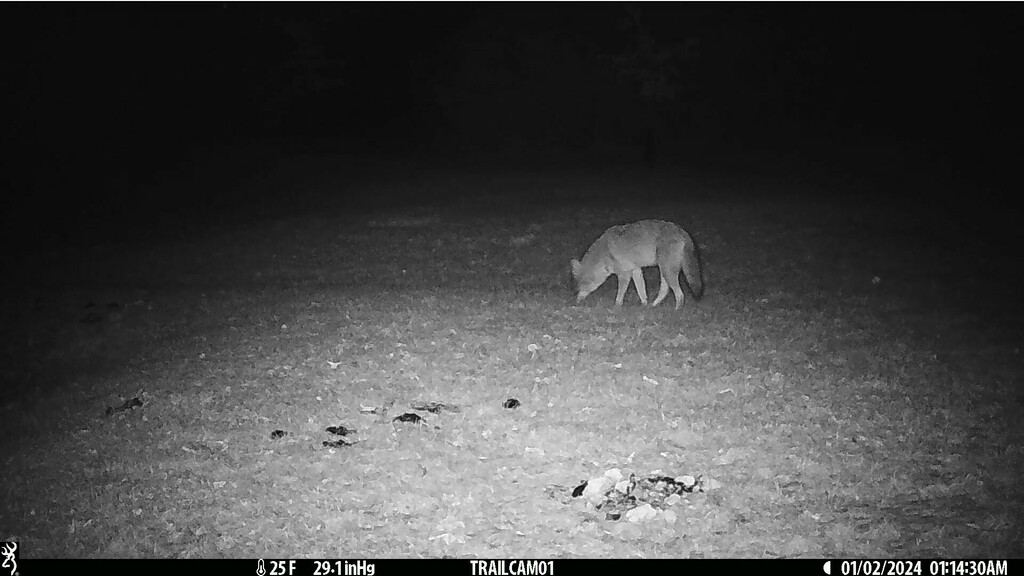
(641, 513)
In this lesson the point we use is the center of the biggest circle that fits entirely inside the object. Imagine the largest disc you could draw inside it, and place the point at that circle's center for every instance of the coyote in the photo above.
(623, 250)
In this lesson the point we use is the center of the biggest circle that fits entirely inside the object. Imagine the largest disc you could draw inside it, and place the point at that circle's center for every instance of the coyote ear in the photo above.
(575, 267)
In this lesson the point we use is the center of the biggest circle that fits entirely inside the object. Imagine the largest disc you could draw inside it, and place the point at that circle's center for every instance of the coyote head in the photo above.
(587, 278)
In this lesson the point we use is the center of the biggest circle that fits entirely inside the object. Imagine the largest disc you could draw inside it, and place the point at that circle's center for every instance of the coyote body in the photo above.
(624, 250)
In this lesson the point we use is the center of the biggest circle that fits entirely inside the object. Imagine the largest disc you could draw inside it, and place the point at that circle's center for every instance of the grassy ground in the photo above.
(827, 412)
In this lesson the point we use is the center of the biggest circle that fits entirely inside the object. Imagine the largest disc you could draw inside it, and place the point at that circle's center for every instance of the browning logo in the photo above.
(9, 551)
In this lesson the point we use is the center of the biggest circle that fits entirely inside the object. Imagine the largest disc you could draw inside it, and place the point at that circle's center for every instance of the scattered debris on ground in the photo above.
(130, 404)
(410, 418)
(434, 407)
(340, 430)
(339, 443)
(636, 499)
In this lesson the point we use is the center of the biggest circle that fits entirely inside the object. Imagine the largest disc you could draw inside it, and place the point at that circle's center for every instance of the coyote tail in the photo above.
(691, 267)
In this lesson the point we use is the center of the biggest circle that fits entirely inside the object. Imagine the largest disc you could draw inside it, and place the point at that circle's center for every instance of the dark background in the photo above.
(117, 117)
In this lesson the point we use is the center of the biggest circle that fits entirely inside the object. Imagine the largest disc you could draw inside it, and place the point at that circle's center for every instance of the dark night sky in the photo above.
(98, 93)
